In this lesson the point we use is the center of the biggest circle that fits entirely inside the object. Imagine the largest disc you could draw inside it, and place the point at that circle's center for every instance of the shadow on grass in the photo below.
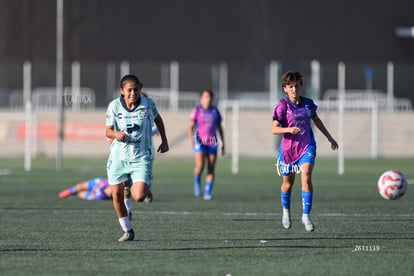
(174, 248)
(264, 243)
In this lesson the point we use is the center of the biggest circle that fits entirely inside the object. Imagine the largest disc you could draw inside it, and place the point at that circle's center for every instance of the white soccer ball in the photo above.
(392, 185)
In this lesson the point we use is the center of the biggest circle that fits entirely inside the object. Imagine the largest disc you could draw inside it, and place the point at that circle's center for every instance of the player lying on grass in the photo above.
(292, 117)
(97, 189)
(92, 189)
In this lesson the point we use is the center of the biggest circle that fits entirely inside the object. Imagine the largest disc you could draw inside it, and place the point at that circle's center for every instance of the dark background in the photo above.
(245, 33)
(191, 30)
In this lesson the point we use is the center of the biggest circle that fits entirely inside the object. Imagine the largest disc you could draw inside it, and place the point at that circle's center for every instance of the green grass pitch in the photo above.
(237, 233)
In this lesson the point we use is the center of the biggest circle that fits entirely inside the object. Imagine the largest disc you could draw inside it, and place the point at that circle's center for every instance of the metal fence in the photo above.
(176, 85)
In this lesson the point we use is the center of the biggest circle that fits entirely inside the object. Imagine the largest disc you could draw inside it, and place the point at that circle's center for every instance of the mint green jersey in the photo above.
(136, 123)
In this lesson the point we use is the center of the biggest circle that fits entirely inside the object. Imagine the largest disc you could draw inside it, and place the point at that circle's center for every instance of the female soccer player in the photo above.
(291, 118)
(93, 189)
(128, 122)
(205, 120)
(97, 189)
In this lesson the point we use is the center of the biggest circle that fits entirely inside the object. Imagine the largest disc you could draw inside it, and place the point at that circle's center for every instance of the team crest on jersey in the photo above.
(142, 112)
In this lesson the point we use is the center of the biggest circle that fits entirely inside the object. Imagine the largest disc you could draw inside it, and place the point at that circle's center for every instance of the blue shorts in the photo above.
(296, 166)
(200, 148)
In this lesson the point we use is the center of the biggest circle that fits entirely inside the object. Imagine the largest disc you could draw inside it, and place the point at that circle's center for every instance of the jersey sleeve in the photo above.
(278, 111)
(193, 116)
(313, 108)
(219, 118)
(152, 108)
(110, 115)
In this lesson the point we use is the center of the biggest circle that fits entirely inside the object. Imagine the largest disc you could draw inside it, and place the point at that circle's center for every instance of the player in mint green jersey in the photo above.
(128, 123)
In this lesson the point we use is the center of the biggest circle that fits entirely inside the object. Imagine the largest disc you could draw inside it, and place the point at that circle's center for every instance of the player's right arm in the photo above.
(280, 112)
(278, 130)
(190, 133)
(112, 134)
(192, 126)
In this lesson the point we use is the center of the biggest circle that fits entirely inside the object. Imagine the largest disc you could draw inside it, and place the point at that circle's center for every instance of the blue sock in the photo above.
(197, 186)
(209, 187)
(285, 199)
(307, 202)
(72, 190)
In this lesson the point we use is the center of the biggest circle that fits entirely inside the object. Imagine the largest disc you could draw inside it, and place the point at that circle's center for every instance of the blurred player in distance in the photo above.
(292, 117)
(205, 121)
(92, 189)
(128, 123)
(95, 189)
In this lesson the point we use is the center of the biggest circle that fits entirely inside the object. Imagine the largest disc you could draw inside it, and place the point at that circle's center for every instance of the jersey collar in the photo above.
(121, 99)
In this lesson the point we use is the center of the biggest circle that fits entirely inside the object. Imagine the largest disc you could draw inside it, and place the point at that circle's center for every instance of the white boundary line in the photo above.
(5, 171)
(212, 213)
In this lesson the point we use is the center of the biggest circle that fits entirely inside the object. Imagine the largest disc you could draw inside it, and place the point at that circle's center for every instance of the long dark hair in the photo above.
(129, 78)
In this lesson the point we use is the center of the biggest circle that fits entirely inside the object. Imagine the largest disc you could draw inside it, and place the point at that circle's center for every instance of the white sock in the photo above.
(125, 224)
(128, 206)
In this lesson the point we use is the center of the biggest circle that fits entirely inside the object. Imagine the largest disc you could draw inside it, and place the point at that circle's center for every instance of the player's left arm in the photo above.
(161, 128)
(319, 124)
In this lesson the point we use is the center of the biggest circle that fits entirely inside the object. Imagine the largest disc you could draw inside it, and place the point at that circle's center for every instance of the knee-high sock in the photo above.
(197, 180)
(307, 202)
(125, 224)
(209, 187)
(285, 198)
(197, 185)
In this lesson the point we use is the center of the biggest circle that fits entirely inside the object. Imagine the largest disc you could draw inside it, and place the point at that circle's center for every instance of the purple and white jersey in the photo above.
(98, 186)
(288, 114)
(206, 121)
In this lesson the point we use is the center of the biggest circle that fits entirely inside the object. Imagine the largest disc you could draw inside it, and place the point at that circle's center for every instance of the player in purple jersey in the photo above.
(292, 117)
(96, 189)
(204, 123)
(93, 189)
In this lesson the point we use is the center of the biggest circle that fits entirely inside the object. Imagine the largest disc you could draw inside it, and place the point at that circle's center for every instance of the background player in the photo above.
(291, 118)
(92, 189)
(128, 122)
(95, 189)
(205, 120)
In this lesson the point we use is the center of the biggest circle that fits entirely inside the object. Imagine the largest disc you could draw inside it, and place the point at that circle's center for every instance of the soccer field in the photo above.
(237, 233)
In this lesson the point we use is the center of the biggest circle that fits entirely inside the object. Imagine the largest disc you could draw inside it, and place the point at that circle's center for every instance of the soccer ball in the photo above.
(392, 185)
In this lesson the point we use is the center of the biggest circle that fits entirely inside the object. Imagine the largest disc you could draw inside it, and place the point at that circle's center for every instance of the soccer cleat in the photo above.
(286, 221)
(148, 198)
(65, 193)
(127, 236)
(309, 226)
(197, 190)
(207, 197)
